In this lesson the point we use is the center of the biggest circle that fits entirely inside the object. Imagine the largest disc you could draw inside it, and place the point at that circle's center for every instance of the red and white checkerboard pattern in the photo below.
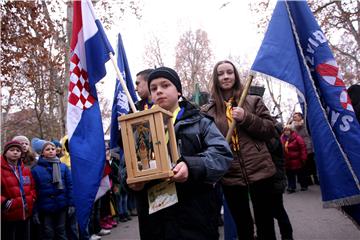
(345, 101)
(329, 71)
(79, 88)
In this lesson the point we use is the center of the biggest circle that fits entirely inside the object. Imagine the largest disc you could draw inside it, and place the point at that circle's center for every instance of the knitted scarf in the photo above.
(56, 174)
(235, 137)
(286, 139)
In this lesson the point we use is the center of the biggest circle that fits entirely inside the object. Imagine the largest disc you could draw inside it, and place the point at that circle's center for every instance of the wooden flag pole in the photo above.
(122, 82)
(240, 104)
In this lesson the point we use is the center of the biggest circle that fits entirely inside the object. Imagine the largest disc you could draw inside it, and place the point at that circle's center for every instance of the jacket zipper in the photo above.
(179, 147)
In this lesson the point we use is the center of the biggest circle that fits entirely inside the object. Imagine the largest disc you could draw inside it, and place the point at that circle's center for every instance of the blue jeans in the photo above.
(53, 225)
(131, 202)
(123, 210)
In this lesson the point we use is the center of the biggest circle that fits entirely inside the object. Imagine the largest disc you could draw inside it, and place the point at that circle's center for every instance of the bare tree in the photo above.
(193, 60)
(340, 21)
(35, 63)
(262, 10)
(242, 65)
(27, 35)
(153, 55)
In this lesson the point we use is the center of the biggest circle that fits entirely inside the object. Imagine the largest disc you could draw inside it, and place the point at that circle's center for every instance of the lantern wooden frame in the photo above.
(155, 126)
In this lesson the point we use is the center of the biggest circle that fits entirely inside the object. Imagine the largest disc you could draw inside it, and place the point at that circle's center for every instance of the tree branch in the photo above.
(319, 9)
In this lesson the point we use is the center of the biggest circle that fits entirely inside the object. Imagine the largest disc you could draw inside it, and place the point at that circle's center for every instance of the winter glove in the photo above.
(71, 211)
(36, 219)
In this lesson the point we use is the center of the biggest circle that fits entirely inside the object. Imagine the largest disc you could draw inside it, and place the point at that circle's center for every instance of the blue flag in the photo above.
(90, 50)
(120, 104)
(296, 51)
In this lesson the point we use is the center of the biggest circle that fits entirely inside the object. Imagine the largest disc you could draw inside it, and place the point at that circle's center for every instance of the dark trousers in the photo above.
(131, 202)
(35, 230)
(219, 202)
(311, 171)
(94, 224)
(53, 225)
(123, 203)
(72, 227)
(15, 230)
(105, 205)
(237, 198)
(301, 177)
(282, 218)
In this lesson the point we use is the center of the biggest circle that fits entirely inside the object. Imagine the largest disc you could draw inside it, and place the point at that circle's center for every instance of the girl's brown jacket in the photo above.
(253, 162)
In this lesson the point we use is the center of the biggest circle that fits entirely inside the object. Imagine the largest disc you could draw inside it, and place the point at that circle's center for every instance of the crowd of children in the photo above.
(36, 193)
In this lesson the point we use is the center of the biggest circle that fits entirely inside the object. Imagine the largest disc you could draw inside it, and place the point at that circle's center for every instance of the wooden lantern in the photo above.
(149, 144)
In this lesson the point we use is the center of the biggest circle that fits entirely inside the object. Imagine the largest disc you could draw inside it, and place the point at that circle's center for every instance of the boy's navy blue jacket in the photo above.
(208, 156)
(50, 199)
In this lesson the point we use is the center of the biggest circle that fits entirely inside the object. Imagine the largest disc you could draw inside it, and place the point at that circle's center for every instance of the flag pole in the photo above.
(240, 104)
(122, 82)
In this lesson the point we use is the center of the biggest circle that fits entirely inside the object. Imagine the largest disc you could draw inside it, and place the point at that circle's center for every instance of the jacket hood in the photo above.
(189, 108)
(64, 144)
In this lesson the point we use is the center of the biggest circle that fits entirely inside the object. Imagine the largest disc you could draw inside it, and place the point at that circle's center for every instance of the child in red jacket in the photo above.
(295, 158)
(18, 194)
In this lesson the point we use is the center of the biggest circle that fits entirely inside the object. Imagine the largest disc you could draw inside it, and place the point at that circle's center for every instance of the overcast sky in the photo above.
(231, 29)
(230, 25)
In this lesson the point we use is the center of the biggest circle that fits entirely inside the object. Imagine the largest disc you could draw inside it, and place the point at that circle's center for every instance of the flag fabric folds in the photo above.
(295, 50)
(120, 104)
(89, 52)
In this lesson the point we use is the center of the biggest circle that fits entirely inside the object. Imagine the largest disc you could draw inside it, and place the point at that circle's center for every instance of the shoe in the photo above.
(111, 222)
(304, 189)
(133, 212)
(290, 190)
(105, 225)
(127, 216)
(95, 237)
(103, 232)
(122, 218)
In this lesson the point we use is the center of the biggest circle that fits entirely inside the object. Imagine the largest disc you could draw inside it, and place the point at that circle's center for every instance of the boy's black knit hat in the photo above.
(167, 73)
(10, 144)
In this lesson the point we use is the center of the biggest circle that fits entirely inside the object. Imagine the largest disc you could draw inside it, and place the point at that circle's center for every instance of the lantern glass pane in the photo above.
(144, 147)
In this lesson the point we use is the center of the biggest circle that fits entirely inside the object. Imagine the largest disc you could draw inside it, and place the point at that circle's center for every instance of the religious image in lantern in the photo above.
(144, 146)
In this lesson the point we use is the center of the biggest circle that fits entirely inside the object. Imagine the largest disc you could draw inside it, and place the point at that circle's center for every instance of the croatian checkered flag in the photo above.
(90, 51)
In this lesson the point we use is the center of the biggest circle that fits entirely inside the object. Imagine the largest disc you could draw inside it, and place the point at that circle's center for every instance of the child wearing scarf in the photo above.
(17, 194)
(54, 188)
(295, 158)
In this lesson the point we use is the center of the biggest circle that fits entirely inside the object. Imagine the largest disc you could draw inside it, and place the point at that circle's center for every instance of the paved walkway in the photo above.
(309, 220)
